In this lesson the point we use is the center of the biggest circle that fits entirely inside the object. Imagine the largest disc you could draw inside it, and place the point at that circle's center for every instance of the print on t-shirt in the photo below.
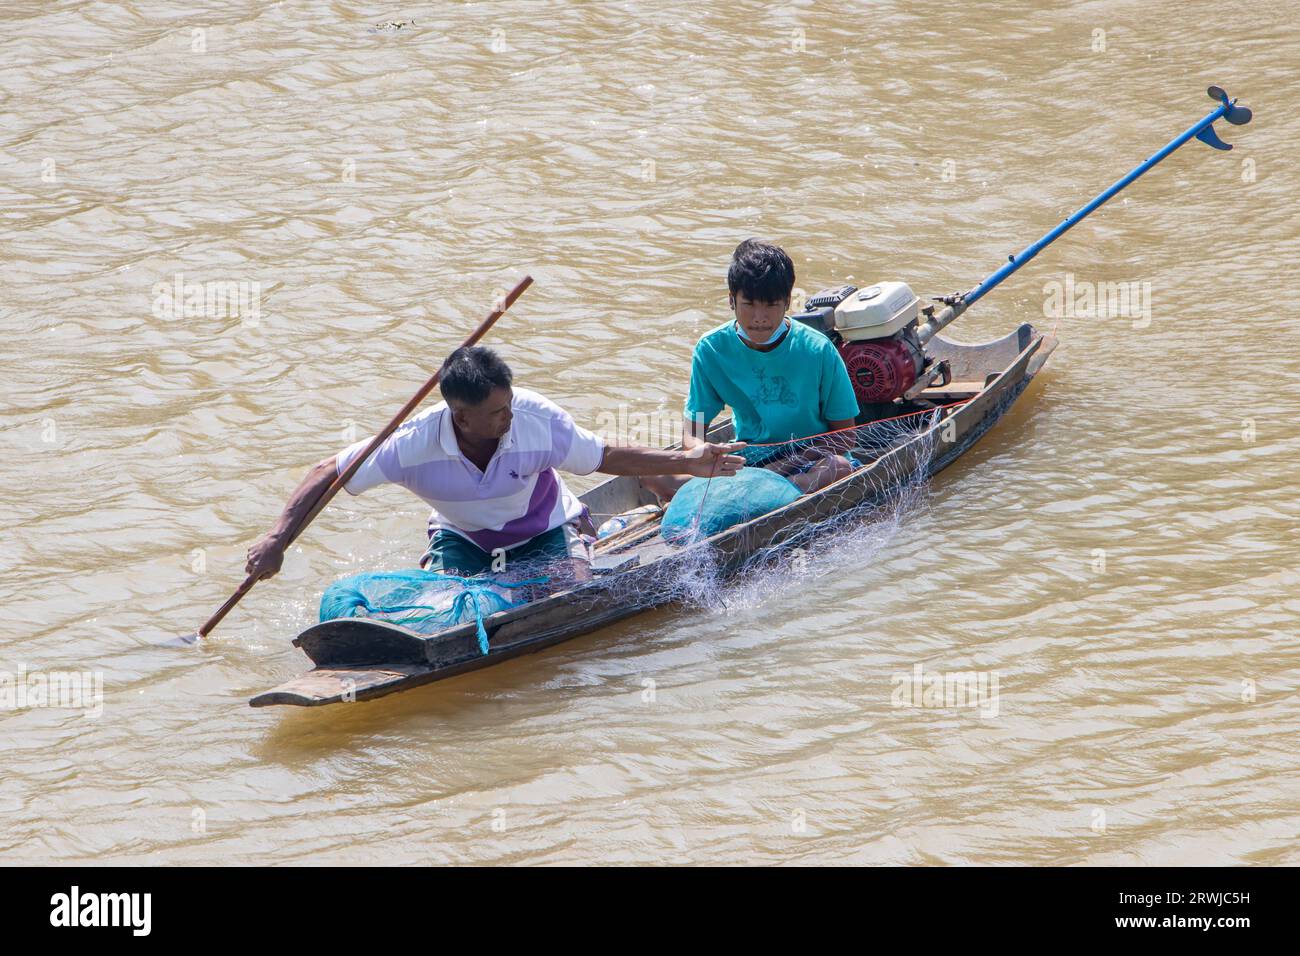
(773, 391)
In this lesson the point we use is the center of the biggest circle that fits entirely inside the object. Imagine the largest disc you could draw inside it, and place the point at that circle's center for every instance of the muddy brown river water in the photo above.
(1120, 552)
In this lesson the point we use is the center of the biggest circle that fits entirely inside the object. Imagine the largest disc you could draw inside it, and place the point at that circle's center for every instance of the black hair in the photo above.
(470, 374)
(761, 270)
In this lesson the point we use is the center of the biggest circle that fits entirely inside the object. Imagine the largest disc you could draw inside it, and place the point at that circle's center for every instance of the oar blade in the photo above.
(183, 640)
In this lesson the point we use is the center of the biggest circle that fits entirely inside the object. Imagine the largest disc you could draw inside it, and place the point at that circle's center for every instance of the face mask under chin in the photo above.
(776, 333)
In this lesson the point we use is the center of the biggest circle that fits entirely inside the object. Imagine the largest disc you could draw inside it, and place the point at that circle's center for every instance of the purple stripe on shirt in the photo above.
(536, 520)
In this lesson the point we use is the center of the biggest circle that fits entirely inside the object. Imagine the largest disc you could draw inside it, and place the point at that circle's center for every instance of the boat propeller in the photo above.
(1234, 114)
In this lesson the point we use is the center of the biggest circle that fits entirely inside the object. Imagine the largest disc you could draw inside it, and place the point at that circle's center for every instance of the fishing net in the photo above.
(889, 460)
(781, 472)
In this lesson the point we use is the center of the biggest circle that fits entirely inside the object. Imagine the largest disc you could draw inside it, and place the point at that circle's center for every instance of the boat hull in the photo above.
(359, 659)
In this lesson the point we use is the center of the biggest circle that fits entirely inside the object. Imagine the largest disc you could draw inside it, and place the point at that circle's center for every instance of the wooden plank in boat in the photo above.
(336, 685)
(952, 389)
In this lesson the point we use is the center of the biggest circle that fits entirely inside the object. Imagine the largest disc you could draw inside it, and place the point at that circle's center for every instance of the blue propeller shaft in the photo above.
(1202, 129)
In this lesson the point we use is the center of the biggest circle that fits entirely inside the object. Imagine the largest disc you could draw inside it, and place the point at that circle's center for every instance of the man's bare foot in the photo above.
(663, 487)
(827, 471)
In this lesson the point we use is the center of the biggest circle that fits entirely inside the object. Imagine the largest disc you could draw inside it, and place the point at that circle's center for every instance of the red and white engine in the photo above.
(875, 330)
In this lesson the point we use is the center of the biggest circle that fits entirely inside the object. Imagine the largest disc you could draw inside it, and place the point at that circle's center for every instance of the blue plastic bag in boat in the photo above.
(424, 601)
(726, 502)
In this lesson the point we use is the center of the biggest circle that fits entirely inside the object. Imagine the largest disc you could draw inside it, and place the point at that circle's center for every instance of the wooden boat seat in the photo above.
(952, 390)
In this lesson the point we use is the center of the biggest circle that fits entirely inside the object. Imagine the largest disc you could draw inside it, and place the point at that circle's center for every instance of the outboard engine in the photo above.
(875, 331)
(880, 346)
(819, 310)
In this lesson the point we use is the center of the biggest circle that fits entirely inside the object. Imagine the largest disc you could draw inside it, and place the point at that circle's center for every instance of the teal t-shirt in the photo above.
(793, 391)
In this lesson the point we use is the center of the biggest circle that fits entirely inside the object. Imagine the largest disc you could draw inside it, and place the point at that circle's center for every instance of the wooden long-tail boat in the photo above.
(361, 658)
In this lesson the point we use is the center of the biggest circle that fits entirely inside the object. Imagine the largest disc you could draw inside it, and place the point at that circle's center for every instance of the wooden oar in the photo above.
(337, 484)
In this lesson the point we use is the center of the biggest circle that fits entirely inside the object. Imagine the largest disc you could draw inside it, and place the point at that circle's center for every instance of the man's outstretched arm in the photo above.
(703, 461)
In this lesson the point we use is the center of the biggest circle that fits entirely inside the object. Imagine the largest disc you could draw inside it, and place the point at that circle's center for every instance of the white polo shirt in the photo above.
(518, 497)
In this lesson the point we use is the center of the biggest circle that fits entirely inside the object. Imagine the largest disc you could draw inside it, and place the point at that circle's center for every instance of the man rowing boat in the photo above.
(485, 460)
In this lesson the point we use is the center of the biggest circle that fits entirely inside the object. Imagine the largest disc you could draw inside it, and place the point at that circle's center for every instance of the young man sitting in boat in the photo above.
(485, 460)
(782, 379)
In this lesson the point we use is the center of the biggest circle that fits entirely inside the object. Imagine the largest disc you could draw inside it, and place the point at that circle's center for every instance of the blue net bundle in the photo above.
(703, 507)
(423, 601)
